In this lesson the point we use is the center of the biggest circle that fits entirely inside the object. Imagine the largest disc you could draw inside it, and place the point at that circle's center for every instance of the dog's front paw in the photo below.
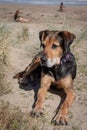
(60, 120)
(37, 113)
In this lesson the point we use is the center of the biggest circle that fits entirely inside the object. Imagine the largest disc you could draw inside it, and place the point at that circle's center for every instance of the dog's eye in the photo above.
(42, 45)
(54, 46)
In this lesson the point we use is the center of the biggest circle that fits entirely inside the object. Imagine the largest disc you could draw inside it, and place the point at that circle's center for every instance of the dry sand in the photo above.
(73, 19)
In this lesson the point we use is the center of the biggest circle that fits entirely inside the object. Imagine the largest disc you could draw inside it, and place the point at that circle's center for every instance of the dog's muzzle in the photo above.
(43, 60)
(47, 62)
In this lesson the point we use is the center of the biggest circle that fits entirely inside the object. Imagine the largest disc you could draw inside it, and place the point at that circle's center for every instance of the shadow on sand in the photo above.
(35, 87)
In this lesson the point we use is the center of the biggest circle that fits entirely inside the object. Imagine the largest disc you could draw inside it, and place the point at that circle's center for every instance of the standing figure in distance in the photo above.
(61, 7)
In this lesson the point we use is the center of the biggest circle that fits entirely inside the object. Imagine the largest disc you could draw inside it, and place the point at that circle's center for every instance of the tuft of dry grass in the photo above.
(11, 118)
(8, 38)
(80, 37)
(23, 36)
(25, 33)
(4, 33)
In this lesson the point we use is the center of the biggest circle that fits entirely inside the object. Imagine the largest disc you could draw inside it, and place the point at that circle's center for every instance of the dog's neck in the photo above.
(65, 58)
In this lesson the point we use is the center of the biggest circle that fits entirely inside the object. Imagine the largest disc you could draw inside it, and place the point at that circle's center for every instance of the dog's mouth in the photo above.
(49, 62)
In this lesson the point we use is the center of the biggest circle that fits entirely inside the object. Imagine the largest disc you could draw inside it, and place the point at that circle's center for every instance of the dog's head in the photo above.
(55, 44)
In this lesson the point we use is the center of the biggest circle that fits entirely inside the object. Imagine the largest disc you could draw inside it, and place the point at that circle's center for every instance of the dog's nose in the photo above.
(43, 59)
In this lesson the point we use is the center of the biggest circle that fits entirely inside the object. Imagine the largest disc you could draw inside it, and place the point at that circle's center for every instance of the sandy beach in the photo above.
(22, 42)
(39, 13)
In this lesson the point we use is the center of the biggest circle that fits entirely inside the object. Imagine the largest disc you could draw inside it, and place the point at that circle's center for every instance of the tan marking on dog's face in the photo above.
(52, 49)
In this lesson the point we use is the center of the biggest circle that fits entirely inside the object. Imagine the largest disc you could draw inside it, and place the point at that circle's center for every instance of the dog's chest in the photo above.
(57, 72)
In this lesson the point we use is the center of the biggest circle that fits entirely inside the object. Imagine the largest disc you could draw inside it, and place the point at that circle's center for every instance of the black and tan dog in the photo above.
(19, 18)
(57, 65)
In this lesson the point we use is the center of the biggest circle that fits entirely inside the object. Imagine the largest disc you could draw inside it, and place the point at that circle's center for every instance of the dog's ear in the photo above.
(66, 38)
(43, 35)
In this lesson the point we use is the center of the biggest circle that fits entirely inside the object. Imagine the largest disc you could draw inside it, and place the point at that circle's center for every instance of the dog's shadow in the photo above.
(35, 85)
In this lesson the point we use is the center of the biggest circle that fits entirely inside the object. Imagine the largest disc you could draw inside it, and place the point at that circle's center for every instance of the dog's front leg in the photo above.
(45, 85)
(61, 117)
